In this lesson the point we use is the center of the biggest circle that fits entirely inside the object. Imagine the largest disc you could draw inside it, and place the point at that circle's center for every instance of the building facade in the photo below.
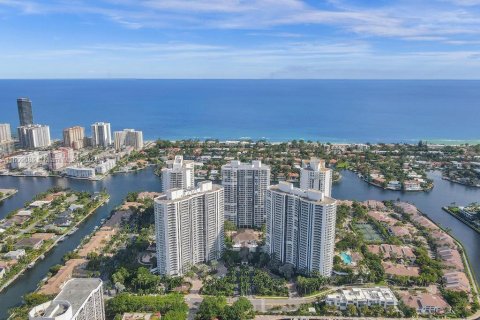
(301, 228)
(101, 135)
(7, 145)
(189, 227)
(5, 132)
(80, 173)
(314, 175)
(179, 174)
(25, 113)
(34, 136)
(362, 297)
(60, 158)
(245, 189)
(74, 137)
(128, 138)
(80, 299)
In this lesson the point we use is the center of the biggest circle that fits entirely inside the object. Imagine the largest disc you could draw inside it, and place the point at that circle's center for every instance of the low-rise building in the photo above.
(80, 173)
(15, 254)
(412, 185)
(29, 243)
(400, 270)
(456, 281)
(451, 258)
(425, 303)
(360, 297)
(389, 251)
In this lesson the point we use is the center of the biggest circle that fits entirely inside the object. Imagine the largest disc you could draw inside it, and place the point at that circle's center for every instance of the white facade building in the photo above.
(314, 175)
(189, 227)
(245, 189)
(105, 166)
(128, 138)
(80, 173)
(80, 299)
(360, 297)
(301, 228)
(27, 160)
(5, 132)
(34, 136)
(179, 174)
(101, 134)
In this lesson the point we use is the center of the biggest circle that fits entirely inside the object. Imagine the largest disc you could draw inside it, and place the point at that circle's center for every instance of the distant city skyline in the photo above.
(328, 39)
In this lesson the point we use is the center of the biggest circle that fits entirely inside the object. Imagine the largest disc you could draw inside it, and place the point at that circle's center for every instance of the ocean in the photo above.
(277, 110)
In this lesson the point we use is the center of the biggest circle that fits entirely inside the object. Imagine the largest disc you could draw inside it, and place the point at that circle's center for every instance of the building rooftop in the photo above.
(254, 165)
(177, 194)
(309, 195)
(77, 291)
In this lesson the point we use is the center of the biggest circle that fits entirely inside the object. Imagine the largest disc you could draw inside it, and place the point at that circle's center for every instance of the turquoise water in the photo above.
(346, 258)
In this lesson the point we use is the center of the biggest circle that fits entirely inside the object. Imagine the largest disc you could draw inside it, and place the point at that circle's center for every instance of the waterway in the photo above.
(117, 186)
(350, 187)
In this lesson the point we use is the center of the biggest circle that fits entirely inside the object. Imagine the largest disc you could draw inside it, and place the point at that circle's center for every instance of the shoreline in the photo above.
(464, 221)
(55, 243)
(465, 259)
(459, 182)
(11, 193)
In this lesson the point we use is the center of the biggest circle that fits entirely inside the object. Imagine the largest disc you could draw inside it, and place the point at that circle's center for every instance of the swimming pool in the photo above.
(346, 258)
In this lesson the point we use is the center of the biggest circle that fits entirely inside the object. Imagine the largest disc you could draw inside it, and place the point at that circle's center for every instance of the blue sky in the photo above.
(374, 39)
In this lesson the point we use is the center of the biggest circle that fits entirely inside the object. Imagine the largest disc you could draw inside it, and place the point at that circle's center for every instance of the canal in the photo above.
(350, 187)
(117, 186)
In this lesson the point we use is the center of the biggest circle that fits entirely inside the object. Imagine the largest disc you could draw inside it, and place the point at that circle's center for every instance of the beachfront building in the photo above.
(179, 174)
(34, 136)
(188, 227)
(315, 175)
(245, 187)
(128, 138)
(25, 114)
(301, 228)
(74, 137)
(101, 135)
(362, 297)
(80, 299)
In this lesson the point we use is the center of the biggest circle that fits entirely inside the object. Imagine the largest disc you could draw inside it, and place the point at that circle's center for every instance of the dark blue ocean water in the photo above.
(278, 110)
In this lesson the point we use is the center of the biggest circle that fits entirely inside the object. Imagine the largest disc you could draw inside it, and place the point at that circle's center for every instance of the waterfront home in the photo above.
(360, 297)
(469, 213)
(394, 185)
(456, 281)
(15, 254)
(408, 208)
(412, 185)
(425, 303)
(426, 223)
(39, 203)
(451, 258)
(443, 239)
(29, 243)
(24, 213)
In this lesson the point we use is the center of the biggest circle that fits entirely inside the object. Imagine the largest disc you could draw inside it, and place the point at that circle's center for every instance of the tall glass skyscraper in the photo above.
(25, 111)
